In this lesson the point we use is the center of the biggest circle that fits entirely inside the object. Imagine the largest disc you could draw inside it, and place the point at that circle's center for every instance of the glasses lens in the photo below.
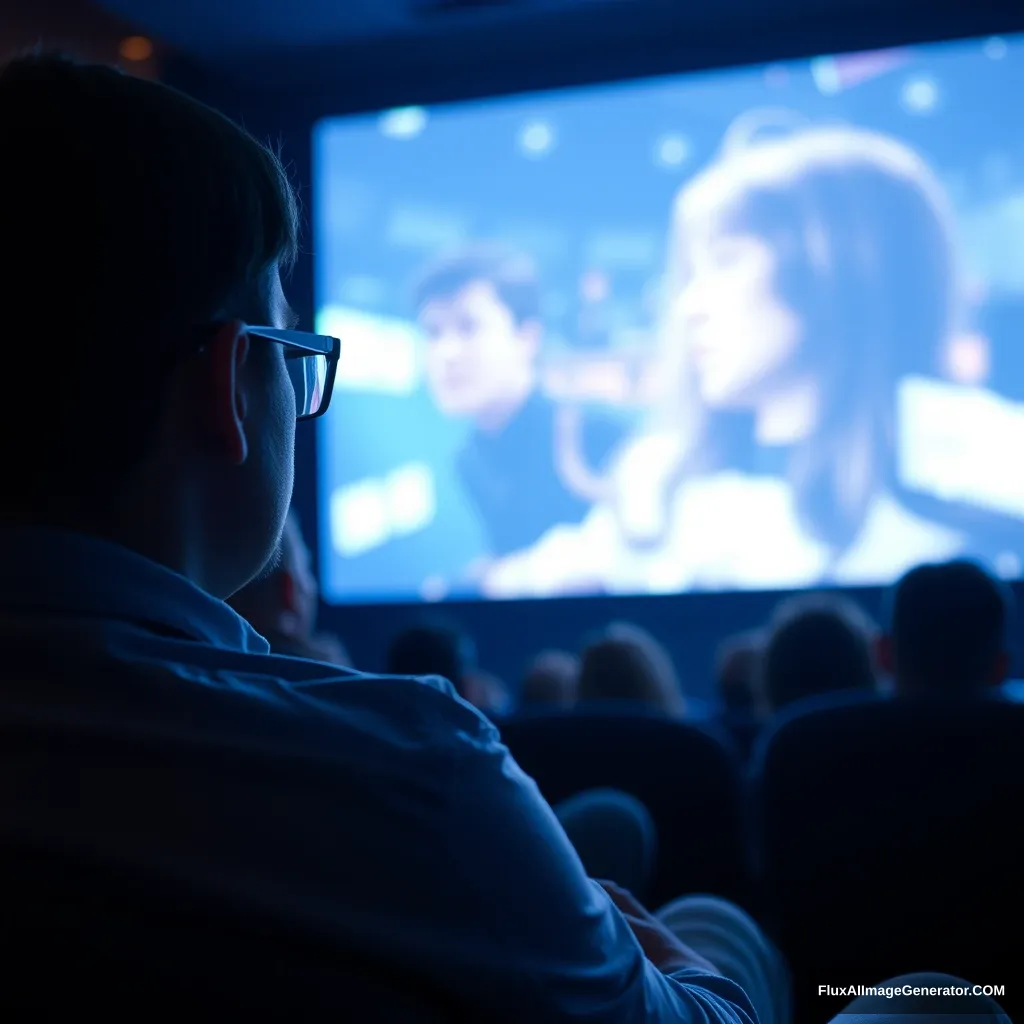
(309, 378)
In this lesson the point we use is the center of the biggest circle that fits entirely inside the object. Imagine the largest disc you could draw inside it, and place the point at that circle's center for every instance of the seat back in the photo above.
(889, 840)
(742, 729)
(80, 936)
(689, 780)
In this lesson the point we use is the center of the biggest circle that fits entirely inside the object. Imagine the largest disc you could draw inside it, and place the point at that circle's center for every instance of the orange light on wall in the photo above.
(136, 48)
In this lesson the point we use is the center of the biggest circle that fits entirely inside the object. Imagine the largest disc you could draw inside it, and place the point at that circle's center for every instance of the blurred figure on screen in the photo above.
(480, 312)
(282, 604)
(1002, 327)
(808, 276)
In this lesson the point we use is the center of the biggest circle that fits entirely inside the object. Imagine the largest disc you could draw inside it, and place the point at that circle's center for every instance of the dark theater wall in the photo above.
(76, 27)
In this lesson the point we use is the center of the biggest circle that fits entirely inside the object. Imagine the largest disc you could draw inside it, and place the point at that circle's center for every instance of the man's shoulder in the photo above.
(145, 681)
(416, 702)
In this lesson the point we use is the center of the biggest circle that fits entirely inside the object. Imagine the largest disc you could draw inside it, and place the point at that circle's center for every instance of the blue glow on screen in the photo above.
(776, 340)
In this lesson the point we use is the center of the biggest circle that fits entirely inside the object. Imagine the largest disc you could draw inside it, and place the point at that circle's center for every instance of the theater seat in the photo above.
(84, 939)
(743, 730)
(689, 780)
(889, 841)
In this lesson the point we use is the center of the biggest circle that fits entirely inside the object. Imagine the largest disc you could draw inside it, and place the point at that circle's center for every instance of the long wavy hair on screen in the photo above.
(862, 235)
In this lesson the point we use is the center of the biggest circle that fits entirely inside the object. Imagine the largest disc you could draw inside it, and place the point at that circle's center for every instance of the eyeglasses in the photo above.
(312, 361)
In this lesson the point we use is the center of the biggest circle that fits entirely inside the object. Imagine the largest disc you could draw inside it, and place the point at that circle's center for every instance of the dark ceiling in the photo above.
(362, 53)
(237, 26)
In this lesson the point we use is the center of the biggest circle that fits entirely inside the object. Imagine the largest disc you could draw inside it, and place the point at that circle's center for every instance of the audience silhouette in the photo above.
(625, 663)
(948, 631)
(817, 644)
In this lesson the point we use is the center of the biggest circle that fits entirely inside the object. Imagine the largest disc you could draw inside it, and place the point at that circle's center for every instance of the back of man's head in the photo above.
(948, 630)
(553, 679)
(738, 673)
(626, 663)
(131, 212)
(135, 217)
(817, 644)
(432, 649)
(487, 693)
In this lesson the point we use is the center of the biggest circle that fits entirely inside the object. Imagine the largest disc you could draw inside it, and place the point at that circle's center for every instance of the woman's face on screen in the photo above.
(740, 336)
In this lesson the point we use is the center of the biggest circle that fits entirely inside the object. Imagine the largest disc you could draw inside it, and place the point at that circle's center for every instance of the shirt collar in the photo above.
(535, 415)
(51, 571)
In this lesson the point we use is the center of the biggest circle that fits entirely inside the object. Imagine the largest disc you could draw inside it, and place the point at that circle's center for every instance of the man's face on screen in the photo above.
(741, 337)
(478, 357)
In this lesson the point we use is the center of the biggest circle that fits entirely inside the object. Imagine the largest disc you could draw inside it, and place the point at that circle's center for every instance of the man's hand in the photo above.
(660, 946)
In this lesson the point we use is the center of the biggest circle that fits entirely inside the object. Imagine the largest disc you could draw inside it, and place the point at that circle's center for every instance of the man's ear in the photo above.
(225, 407)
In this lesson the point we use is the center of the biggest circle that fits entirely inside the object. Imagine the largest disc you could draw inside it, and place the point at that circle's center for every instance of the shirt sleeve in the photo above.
(550, 945)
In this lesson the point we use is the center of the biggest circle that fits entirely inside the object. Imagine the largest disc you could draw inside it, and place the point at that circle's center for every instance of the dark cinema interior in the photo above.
(664, 377)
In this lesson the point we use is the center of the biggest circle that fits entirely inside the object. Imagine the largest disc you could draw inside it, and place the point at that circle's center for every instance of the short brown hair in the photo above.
(130, 213)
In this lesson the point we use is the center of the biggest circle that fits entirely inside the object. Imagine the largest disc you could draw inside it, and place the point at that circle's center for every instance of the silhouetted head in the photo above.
(487, 693)
(432, 649)
(738, 673)
(817, 644)
(553, 679)
(947, 630)
(626, 663)
(148, 231)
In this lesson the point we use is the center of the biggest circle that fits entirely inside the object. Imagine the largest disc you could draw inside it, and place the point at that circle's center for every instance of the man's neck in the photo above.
(497, 416)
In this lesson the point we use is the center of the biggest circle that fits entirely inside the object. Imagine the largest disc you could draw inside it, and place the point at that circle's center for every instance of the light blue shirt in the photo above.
(384, 811)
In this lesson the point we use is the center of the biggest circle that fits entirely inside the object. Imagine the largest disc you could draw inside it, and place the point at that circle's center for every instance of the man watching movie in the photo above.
(367, 840)
(274, 838)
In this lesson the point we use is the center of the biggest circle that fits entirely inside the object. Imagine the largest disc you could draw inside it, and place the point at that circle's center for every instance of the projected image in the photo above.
(751, 329)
